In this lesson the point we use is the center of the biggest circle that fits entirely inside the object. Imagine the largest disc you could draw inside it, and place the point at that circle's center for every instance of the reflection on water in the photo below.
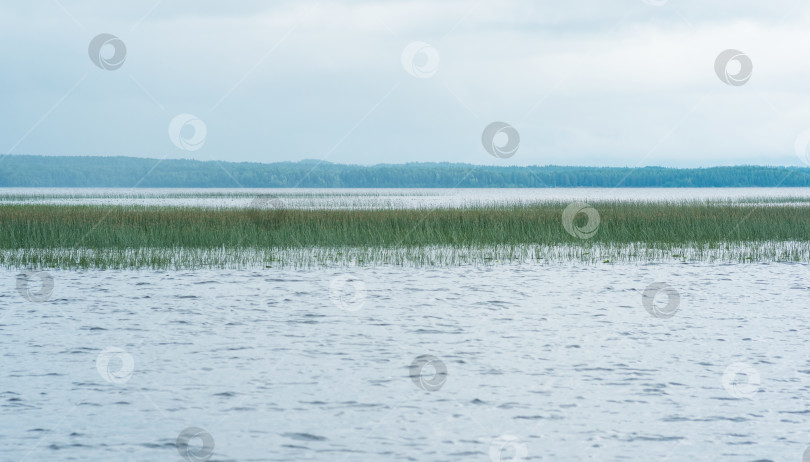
(389, 198)
(554, 362)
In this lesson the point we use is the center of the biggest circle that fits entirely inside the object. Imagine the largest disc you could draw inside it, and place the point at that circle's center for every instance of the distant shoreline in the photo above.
(26, 171)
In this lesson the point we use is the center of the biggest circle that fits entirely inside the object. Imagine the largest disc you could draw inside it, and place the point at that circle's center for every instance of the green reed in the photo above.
(138, 236)
(61, 226)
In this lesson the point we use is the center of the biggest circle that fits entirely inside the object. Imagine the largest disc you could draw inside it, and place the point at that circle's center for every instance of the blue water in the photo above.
(542, 363)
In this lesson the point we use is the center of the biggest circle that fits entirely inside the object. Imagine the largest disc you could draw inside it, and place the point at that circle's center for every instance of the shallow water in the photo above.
(551, 362)
(382, 198)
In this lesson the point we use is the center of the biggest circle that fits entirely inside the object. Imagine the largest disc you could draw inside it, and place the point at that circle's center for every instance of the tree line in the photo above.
(128, 172)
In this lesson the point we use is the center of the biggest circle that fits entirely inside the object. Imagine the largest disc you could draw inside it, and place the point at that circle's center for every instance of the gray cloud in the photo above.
(586, 82)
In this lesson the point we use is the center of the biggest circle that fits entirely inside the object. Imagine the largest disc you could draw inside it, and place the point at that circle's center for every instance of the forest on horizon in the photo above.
(130, 172)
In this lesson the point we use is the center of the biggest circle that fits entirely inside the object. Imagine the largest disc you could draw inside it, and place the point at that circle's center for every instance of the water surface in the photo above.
(554, 362)
(388, 198)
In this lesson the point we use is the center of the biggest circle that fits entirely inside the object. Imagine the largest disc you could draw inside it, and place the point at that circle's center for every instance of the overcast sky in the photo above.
(583, 82)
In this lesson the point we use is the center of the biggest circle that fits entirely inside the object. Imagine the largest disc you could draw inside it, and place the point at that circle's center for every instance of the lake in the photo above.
(385, 198)
(556, 362)
(518, 362)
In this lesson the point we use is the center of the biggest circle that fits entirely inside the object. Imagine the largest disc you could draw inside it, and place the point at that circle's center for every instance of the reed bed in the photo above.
(224, 258)
(183, 237)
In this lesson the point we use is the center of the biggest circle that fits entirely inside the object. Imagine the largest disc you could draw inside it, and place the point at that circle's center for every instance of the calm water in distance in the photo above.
(387, 198)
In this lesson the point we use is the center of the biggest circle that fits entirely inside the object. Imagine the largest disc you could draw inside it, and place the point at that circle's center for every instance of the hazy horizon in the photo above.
(630, 83)
(327, 161)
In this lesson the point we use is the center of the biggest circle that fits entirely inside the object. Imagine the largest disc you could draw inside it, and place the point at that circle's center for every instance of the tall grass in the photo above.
(182, 258)
(45, 226)
(99, 236)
